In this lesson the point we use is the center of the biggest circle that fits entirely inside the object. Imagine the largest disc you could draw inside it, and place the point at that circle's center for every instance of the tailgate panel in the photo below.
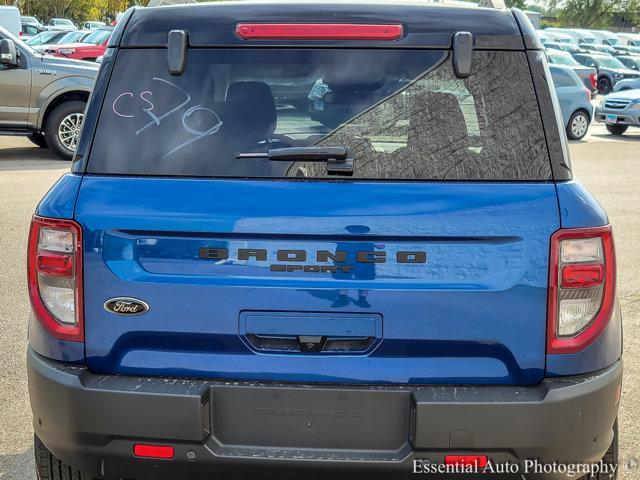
(459, 280)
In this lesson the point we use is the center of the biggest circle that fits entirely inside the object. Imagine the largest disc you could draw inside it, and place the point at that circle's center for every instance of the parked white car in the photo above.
(10, 20)
(93, 25)
(631, 39)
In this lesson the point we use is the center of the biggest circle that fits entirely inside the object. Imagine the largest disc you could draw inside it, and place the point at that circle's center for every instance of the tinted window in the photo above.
(97, 37)
(560, 59)
(43, 37)
(402, 113)
(72, 37)
(587, 61)
(29, 29)
(610, 62)
(562, 78)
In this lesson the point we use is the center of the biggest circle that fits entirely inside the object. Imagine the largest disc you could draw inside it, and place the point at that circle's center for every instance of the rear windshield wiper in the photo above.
(339, 159)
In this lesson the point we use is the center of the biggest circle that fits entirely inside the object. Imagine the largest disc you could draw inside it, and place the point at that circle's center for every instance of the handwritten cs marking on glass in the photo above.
(156, 120)
(198, 134)
(115, 110)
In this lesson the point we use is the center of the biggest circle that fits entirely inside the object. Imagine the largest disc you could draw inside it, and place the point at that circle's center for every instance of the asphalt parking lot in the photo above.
(610, 167)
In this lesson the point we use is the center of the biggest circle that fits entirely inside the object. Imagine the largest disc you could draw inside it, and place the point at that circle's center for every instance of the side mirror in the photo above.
(8, 54)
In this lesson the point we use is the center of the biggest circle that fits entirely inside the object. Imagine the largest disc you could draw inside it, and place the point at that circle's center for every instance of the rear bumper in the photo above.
(92, 421)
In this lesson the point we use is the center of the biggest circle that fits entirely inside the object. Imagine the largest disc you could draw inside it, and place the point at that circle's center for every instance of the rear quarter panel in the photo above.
(59, 202)
(580, 209)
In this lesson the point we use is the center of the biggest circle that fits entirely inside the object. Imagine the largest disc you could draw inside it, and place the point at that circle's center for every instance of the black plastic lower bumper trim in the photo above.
(92, 421)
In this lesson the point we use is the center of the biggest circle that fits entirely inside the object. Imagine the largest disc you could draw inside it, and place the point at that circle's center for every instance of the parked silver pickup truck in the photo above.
(42, 97)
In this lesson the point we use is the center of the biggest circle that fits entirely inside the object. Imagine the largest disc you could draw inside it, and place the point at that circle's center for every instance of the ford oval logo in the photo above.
(126, 306)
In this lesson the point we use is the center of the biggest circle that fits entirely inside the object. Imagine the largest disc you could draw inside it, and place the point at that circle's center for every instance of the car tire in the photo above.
(604, 86)
(610, 458)
(578, 125)
(38, 139)
(617, 129)
(48, 467)
(63, 127)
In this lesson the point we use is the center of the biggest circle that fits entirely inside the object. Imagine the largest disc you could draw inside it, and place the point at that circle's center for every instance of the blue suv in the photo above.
(349, 245)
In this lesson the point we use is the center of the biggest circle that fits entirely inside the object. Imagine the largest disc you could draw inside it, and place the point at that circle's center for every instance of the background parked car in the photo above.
(568, 37)
(588, 75)
(575, 101)
(74, 36)
(61, 24)
(580, 40)
(563, 39)
(630, 39)
(49, 108)
(29, 30)
(629, 84)
(599, 48)
(605, 37)
(91, 47)
(545, 37)
(610, 70)
(46, 37)
(632, 62)
(619, 111)
(580, 36)
(555, 46)
(93, 25)
(10, 19)
(32, 21)
(628, 50)
(558, 41)
(622, 46)
(610, 39)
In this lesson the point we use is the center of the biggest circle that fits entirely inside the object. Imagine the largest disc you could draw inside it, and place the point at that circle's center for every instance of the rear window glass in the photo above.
(402, 113)
(562, 79)
(97, 37)
(563, 60)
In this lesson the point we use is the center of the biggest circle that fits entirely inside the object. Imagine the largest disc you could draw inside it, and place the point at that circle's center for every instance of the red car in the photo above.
(91, 47)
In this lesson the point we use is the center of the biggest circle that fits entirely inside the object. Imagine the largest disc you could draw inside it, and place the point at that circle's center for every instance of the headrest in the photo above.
(258, 109)
(363, 77)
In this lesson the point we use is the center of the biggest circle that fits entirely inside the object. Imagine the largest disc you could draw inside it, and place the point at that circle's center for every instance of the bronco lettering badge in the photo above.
(126, 306)
(295, 260)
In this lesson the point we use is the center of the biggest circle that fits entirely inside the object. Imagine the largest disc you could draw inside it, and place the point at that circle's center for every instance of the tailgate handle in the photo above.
(310, 343)
(308, 332)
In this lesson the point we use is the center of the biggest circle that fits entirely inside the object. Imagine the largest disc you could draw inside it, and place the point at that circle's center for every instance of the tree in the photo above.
(521, 4)
(594, 13)
(77, 10)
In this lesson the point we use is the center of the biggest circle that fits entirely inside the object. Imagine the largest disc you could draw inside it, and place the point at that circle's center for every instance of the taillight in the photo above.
(582, 277)
(476, 461)
(594, 80)
(317, 31)
(54, 271)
